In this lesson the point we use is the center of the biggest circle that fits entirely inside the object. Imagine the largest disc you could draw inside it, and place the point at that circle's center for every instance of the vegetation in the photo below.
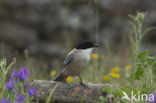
(17, 89)
(140, 77)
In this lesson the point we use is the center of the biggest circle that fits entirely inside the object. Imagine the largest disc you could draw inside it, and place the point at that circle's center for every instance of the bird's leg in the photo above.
(81, 82)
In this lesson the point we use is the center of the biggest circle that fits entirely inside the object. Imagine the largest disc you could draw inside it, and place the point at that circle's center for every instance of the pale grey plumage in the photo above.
(78, 63)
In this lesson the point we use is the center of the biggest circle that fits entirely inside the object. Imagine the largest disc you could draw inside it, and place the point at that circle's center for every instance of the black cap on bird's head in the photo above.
(86, 45)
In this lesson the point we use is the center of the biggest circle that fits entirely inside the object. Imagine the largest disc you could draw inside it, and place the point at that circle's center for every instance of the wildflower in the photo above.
(53, 73)
(14, 74)
(17, 81)
(10, 84)
(94, 56)
(5, 101)
(115, 69)
(32, 91)
(20, 98)
(106, 78)
(69, 79)
(129, 67)
(26, 84)
(115, 75)
(23, 74)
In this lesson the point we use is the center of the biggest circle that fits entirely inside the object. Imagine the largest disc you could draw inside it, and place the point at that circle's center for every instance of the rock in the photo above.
(68, 93)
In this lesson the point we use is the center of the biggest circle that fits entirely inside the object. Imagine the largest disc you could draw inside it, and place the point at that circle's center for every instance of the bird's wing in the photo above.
(68, 60)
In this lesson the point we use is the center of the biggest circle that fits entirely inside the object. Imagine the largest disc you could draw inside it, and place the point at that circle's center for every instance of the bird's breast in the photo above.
(78, 64)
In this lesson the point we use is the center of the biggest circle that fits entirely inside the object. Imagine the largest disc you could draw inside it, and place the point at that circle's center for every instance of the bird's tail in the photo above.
(61, 77)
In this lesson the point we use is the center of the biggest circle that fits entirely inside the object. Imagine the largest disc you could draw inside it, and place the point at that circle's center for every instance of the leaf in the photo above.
(107, 89)
(139, 73)
(51, 94)
(142, 54)
(124, 88)
(150, 61)
(132, 17)
(147, 30)
(118, 92)
(9, 67)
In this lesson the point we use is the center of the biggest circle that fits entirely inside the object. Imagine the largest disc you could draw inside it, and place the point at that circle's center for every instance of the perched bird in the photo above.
(76, 61)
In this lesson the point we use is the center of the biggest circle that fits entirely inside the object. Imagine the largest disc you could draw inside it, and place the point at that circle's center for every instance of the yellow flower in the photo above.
(106, 78)
(115, 75)
(53, 73)
(117, 102)
(94, 56)
(115, 69)
(129, 67)
(69, 79)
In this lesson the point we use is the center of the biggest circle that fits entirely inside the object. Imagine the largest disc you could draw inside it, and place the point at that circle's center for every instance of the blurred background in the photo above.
(38, 34)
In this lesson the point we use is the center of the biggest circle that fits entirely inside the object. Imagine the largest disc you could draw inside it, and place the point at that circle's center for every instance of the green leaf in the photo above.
(124, 88)
(138, 74)
(142, 54)
(117, 92)
(132, 17)
(147, 30)
(150, 61)
(9, 67)
(107, 89)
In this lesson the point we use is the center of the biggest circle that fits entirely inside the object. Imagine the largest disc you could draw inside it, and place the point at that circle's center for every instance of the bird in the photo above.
(76, 61)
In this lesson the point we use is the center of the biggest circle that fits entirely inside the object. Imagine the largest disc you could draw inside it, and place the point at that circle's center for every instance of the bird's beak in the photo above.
(96, 45)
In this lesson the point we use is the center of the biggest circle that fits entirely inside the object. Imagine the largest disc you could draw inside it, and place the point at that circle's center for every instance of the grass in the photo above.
(129, 68)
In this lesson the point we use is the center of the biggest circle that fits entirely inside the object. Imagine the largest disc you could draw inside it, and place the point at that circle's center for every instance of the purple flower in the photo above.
(32, 91)
(14, 74)
(23, 74)
(17, 81)
(20, 98)
(26, 84)
(5, 101)
(10, 84)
